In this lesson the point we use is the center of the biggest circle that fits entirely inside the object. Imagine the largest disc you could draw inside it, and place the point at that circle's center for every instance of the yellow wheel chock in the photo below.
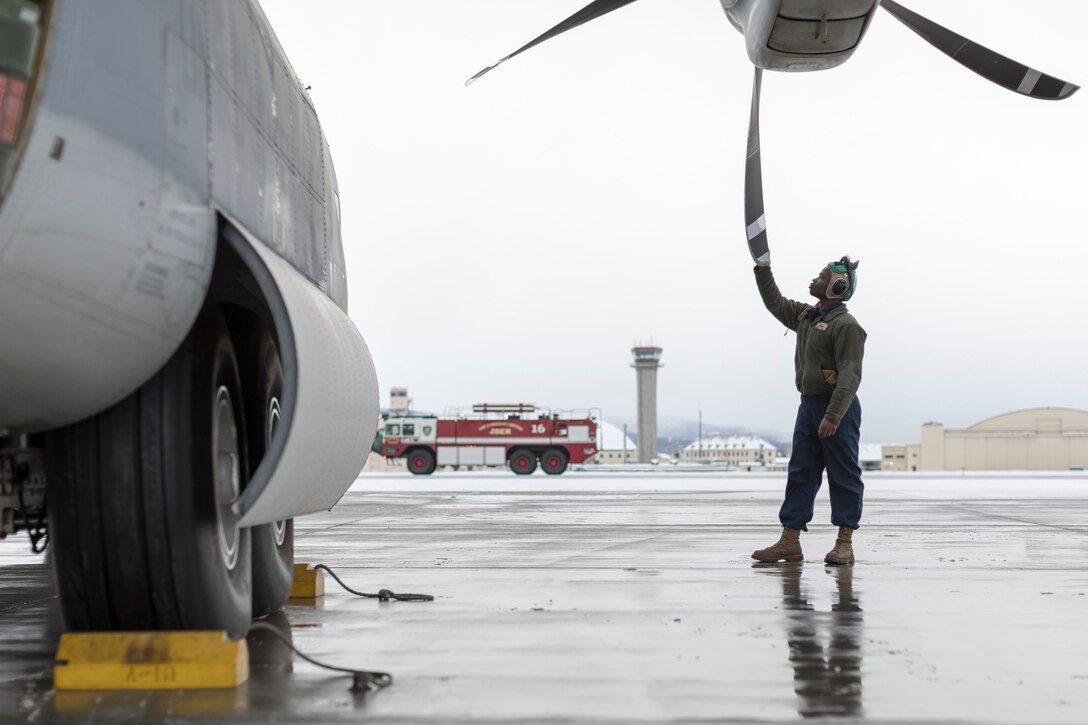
(309, 583)
(150, 661)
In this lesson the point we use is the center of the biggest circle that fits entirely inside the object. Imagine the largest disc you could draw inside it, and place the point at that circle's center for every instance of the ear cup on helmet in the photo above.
(843, 282)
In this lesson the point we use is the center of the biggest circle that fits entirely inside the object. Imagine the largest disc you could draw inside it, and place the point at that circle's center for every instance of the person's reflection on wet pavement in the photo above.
(826, 677)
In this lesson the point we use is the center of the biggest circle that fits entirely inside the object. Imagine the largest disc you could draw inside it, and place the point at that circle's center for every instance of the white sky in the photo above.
(511, 240)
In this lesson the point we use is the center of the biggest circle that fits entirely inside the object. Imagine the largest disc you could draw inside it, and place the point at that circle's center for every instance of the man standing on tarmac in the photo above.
(830, 346)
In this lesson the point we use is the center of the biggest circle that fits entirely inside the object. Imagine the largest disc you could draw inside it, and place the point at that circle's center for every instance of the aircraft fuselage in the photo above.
(148, 119)
(152, 132)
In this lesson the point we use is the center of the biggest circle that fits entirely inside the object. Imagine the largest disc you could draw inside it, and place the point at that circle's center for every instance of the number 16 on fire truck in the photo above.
(518, 435)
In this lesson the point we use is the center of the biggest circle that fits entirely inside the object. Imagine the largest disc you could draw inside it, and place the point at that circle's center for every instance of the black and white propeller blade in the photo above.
(590, 12)
(755, 221)
(995, 67)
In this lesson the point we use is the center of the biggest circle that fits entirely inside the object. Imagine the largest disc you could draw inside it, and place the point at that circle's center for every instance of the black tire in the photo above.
(274, 543)
(421, 462)
(554, 461)
(139, 515)
(522, 461)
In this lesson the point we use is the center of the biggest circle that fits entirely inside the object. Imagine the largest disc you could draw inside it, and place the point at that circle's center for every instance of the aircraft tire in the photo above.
(421, 462)
(522, 461)
(553, 461)
(139, 500)
(274, 543)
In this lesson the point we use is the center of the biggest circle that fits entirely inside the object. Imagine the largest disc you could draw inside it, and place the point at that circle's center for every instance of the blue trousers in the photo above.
(812, 454)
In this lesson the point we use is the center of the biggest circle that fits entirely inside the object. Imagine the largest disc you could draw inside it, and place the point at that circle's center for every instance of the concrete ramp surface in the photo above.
(633, 598)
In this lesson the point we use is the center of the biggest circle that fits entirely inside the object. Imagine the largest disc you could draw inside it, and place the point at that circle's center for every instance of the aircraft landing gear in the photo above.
(141, 527)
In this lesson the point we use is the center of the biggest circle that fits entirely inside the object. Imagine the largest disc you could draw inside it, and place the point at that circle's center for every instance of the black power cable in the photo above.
(383, 595)
(361, 680)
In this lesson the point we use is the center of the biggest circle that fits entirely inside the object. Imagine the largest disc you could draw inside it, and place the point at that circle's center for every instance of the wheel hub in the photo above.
(226, 458)
(279, 528)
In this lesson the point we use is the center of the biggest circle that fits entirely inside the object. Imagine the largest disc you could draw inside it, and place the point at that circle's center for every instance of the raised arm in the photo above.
(785, 310)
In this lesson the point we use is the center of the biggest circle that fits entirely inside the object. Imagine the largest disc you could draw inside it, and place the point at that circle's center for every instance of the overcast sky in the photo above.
(511, 240)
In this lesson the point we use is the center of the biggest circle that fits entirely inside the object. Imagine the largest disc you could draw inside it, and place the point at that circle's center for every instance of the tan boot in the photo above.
(788, 548)
(843, 553)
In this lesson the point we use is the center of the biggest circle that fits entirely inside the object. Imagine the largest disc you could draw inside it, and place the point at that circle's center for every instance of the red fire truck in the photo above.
(517, 435)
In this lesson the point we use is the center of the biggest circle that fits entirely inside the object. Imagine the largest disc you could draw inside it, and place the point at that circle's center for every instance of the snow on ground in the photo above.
(943, 485)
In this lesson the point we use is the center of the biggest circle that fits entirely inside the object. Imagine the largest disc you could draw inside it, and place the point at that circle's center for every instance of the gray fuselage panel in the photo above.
(149, 118)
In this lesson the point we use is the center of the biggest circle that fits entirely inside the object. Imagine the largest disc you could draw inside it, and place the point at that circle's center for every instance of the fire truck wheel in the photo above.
(554, 461)
(421, 462)
(140, 521)
(522, 461)
(274, 543)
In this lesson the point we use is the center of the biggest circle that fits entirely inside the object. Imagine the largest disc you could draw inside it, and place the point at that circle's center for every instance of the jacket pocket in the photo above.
(831, 377)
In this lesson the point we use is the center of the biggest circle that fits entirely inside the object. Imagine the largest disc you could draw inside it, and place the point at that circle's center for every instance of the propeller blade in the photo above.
(594, 10)
(995, 67)
(755, 221)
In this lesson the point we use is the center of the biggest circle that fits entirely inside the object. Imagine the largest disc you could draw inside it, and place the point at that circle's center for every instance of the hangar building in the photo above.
(1036, 439)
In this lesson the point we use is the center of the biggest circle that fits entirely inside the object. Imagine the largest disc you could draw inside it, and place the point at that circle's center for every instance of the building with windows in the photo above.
(736, 450)
(399, 402)
(900, 457)
(870, 456)
(613, 445)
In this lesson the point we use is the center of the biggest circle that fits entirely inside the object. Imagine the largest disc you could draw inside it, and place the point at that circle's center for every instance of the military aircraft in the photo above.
(178, 374)
(811, 35)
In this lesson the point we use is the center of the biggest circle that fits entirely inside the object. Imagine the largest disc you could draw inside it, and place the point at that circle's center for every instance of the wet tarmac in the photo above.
(632, 598)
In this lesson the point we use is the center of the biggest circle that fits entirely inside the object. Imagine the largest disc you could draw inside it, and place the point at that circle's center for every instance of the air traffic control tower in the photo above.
(647, 361)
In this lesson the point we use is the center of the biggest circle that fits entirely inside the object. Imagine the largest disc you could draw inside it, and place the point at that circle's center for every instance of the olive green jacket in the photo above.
(829, 347)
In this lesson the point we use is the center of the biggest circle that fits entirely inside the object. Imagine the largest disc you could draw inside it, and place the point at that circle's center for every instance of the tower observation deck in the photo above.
(647, 361)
